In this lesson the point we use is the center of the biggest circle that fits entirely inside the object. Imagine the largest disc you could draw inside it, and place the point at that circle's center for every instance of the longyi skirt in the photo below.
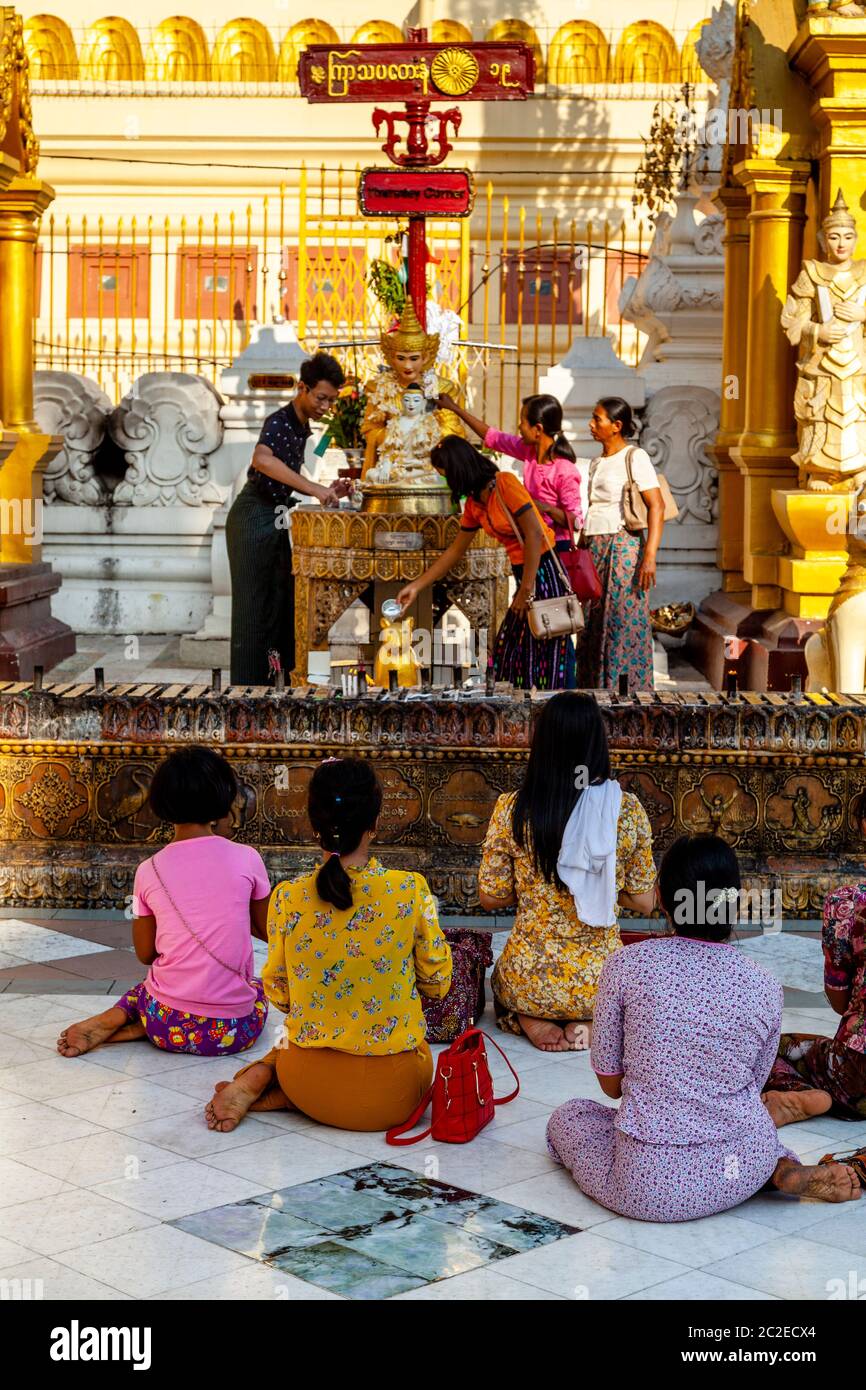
(526, 661)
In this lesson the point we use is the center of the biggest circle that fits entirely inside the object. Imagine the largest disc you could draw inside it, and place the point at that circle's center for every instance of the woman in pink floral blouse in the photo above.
(835, 1065)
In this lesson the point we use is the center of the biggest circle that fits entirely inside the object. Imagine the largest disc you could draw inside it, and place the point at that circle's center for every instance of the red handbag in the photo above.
(580, 567)
(462, 1094)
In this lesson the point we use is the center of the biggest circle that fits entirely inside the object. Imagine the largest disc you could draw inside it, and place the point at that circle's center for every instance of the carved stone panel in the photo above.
(168, 427)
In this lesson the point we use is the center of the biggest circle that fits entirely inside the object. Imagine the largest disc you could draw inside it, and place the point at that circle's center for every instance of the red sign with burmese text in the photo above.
(417, 72)
(416, 192)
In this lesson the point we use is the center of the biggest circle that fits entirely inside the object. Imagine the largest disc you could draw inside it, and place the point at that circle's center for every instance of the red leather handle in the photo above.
(391, 1136)
(503, 1100)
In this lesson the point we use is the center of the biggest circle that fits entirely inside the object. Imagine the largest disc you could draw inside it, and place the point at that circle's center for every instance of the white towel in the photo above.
(587, 858)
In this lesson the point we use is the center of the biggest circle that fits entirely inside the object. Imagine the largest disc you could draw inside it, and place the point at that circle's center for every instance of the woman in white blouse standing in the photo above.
(617, 639)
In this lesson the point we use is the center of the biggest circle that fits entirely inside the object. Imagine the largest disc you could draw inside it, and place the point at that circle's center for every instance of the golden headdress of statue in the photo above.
(410, 337)
(839, 216)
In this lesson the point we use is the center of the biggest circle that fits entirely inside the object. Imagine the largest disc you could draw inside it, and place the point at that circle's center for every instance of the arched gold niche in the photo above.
(519, 30)
(690, 67)
(177, 52)
(243, 52)
(50, 48)
(111, 52)
(578, 53)
(378, 31)
(450, 31)
(646, 53)
(299, 37)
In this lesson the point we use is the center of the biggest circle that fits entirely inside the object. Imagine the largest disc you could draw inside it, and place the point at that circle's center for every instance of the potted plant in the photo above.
(343, 427)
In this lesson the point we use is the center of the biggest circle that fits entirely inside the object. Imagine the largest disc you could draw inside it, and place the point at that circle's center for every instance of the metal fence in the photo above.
(117, 300)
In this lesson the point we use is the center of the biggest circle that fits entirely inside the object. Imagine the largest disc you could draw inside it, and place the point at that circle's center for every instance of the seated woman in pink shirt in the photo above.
(197, 902)
(550, 473)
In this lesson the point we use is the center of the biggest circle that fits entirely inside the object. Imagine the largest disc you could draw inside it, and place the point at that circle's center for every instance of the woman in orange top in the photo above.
(490, 496)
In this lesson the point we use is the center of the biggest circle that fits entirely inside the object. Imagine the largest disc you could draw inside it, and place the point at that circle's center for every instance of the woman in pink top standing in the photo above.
(550, 473)
(197, 903)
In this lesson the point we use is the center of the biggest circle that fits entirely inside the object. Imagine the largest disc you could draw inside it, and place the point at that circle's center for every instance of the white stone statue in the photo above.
(824, 317)
(836, 655)
(404, 454)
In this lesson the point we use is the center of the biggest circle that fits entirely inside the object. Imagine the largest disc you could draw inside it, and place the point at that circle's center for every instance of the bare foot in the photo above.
(548, 1037)
(232, 1099)
(83, 1037)
(578, 1036)
(827, 1182)
(272, 1098)
(787, 1107)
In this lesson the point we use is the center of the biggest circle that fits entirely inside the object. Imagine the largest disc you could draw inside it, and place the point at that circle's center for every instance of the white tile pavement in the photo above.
(93, 1166)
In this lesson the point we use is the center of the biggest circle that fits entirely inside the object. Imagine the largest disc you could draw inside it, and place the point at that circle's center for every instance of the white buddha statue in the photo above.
(404, 453)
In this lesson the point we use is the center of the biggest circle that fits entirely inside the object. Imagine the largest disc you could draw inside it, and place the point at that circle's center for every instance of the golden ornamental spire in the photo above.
(16, 118)
(409, 336)
(839, 215)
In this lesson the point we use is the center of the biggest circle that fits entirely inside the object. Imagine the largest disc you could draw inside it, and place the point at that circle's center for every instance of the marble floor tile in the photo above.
(11, 1100)
(254, 1229)
(153, 1261)
(481, 1166)
(13, 1254)
(691, 1242)
(790, 1215)
(526, 1134)
(98, 1158)
(791, 1267)
(351, 1273)
(476, 1285)
(198, 1082)
(55, 1283)
(431, 1249)
(281, 1162)
(588, 1266)
(20, 1183)
(557, 1195)
(258, 1282)
(141, 1058)
(29, 942)
(796, 961)
(125, 1102)
(74, 1217)
(32, 1125)
(335, 1205)
(184, 1187)
(17, 1052)
(699, 1287)
(849, 1234)
(54, 1077)
(186, 1133)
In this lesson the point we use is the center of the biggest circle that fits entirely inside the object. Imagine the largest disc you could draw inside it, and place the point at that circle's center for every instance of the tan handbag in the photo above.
(634, 508)
(550, 617)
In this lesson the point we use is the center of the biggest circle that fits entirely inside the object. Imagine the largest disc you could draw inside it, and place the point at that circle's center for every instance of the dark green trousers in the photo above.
(263, 588)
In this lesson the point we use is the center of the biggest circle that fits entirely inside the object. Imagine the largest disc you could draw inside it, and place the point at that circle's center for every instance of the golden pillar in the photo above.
(830, 53)
(22, 204)
(777, 191)
(734, 203)
(29, 635)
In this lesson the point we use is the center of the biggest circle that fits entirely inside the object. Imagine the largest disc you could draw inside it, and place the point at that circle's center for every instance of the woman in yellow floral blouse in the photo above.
(569, 836)
(351, 947)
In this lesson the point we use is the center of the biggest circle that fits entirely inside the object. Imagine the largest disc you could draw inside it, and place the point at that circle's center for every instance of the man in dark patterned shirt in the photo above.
(257, 526)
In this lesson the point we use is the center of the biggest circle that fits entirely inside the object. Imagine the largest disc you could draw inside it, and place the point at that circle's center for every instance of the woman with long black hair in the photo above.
(550, 473)
(499, 504)
(565, 850)
(351, 947)
(617, 640)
